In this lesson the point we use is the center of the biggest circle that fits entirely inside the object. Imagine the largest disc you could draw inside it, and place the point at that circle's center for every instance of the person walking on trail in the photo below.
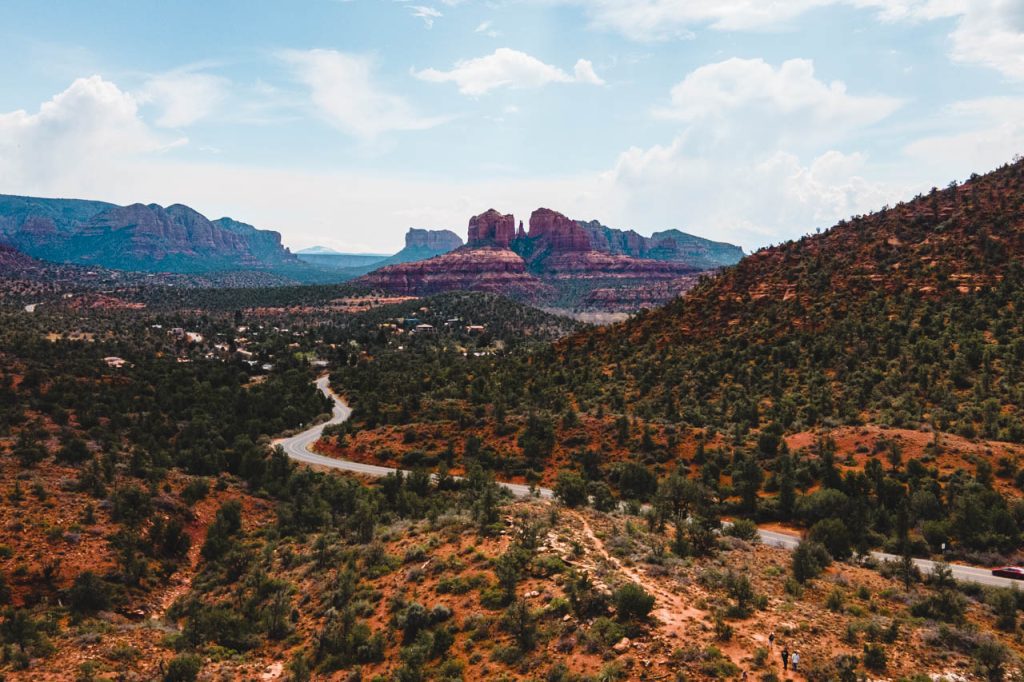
(785, 658)
(796, 660)
(771, 640)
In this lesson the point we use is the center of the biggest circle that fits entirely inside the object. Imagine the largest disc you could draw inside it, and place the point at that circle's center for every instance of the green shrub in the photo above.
(874, 657)
(88, 594)
(835, 600)
(834, 536)
(745, 529)
(809, 560)
(183, 668)
(196, 490)
(632, 602)
(571, 489)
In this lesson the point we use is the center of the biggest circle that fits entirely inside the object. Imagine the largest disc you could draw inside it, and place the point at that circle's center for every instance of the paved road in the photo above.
(299, 447)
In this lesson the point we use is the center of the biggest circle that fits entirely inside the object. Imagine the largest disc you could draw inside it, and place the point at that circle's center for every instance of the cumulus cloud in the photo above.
(991, 33)
(507, 68)
(82, 132)
(584, 73)
(758, 156)
(766, 199)
(790, 96)
(183, 97)
(343, 90)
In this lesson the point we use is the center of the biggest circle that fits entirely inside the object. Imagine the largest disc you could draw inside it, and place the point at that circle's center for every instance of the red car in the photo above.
(1011, 572)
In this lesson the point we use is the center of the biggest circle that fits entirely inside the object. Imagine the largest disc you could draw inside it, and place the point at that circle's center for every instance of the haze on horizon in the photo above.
(343, 122)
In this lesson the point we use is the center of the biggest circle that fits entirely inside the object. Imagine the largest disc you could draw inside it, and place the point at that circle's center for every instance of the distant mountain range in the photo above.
(178, 239)
(562, 262)
(558, 262)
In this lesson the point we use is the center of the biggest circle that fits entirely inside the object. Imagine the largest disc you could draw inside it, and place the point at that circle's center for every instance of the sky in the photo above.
(344, 122)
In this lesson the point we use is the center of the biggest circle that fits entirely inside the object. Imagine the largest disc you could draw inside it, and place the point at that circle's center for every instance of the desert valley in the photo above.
(546, 341)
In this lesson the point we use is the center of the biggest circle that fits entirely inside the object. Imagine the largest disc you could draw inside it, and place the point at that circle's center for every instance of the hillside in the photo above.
(907, 316)
(874, 369)
(149, 531)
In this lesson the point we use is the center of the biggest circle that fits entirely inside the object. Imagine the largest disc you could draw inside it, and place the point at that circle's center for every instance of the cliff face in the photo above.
(673, 245)
(491, 229)
(559, 261)
(441, 241)
(423, 244)
(556, 233)
(139, 237)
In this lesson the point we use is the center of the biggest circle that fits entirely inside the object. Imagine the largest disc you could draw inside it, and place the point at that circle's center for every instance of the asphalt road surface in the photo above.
(300, 448)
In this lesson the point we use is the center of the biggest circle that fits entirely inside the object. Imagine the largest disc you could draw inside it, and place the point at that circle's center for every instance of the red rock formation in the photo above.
(559, 261)
(597, 265)
(466, 269)
(557, 233)
(491, 229)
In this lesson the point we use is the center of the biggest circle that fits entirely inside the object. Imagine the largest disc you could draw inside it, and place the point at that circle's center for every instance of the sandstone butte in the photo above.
(557, 251)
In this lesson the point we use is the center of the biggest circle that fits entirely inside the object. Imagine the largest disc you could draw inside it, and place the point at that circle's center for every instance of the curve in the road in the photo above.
(300, 448)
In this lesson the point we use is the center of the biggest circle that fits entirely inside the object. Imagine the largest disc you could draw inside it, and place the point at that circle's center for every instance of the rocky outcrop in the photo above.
(423, 244)
(491, 229)
(636, 296)
(466, 269)
(556, 233)
(264, 245)
(485, 263)
(559, 261)
(671, 245)
(441, 241)
(552, 235)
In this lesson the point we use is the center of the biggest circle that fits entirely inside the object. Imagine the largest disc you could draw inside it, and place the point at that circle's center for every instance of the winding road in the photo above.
(300, 448)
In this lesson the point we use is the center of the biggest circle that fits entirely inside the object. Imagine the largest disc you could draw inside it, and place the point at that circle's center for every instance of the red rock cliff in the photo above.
(491, 229)
(558, 233)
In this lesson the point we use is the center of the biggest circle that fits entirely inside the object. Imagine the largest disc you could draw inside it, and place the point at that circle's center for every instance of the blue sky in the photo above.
(343, 123)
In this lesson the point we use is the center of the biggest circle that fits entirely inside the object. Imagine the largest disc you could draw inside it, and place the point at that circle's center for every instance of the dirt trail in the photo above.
(676, 612)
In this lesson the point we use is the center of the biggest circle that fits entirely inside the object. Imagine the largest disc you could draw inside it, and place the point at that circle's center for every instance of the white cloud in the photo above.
(507, 68)
(81, 133)
(757, 158)
(427, 14)
(183, 97)
(343, 90)
(664, 19)
(978, 135)
(584, 72)
(487, 28)
(991, 33)
(988, 33)
(769, 198)
(779, 96)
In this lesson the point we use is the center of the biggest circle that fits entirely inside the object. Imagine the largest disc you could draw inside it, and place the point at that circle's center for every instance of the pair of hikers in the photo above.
(790, 660)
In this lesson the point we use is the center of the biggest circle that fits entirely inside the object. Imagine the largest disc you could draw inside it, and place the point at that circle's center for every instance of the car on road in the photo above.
(1011, 572)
